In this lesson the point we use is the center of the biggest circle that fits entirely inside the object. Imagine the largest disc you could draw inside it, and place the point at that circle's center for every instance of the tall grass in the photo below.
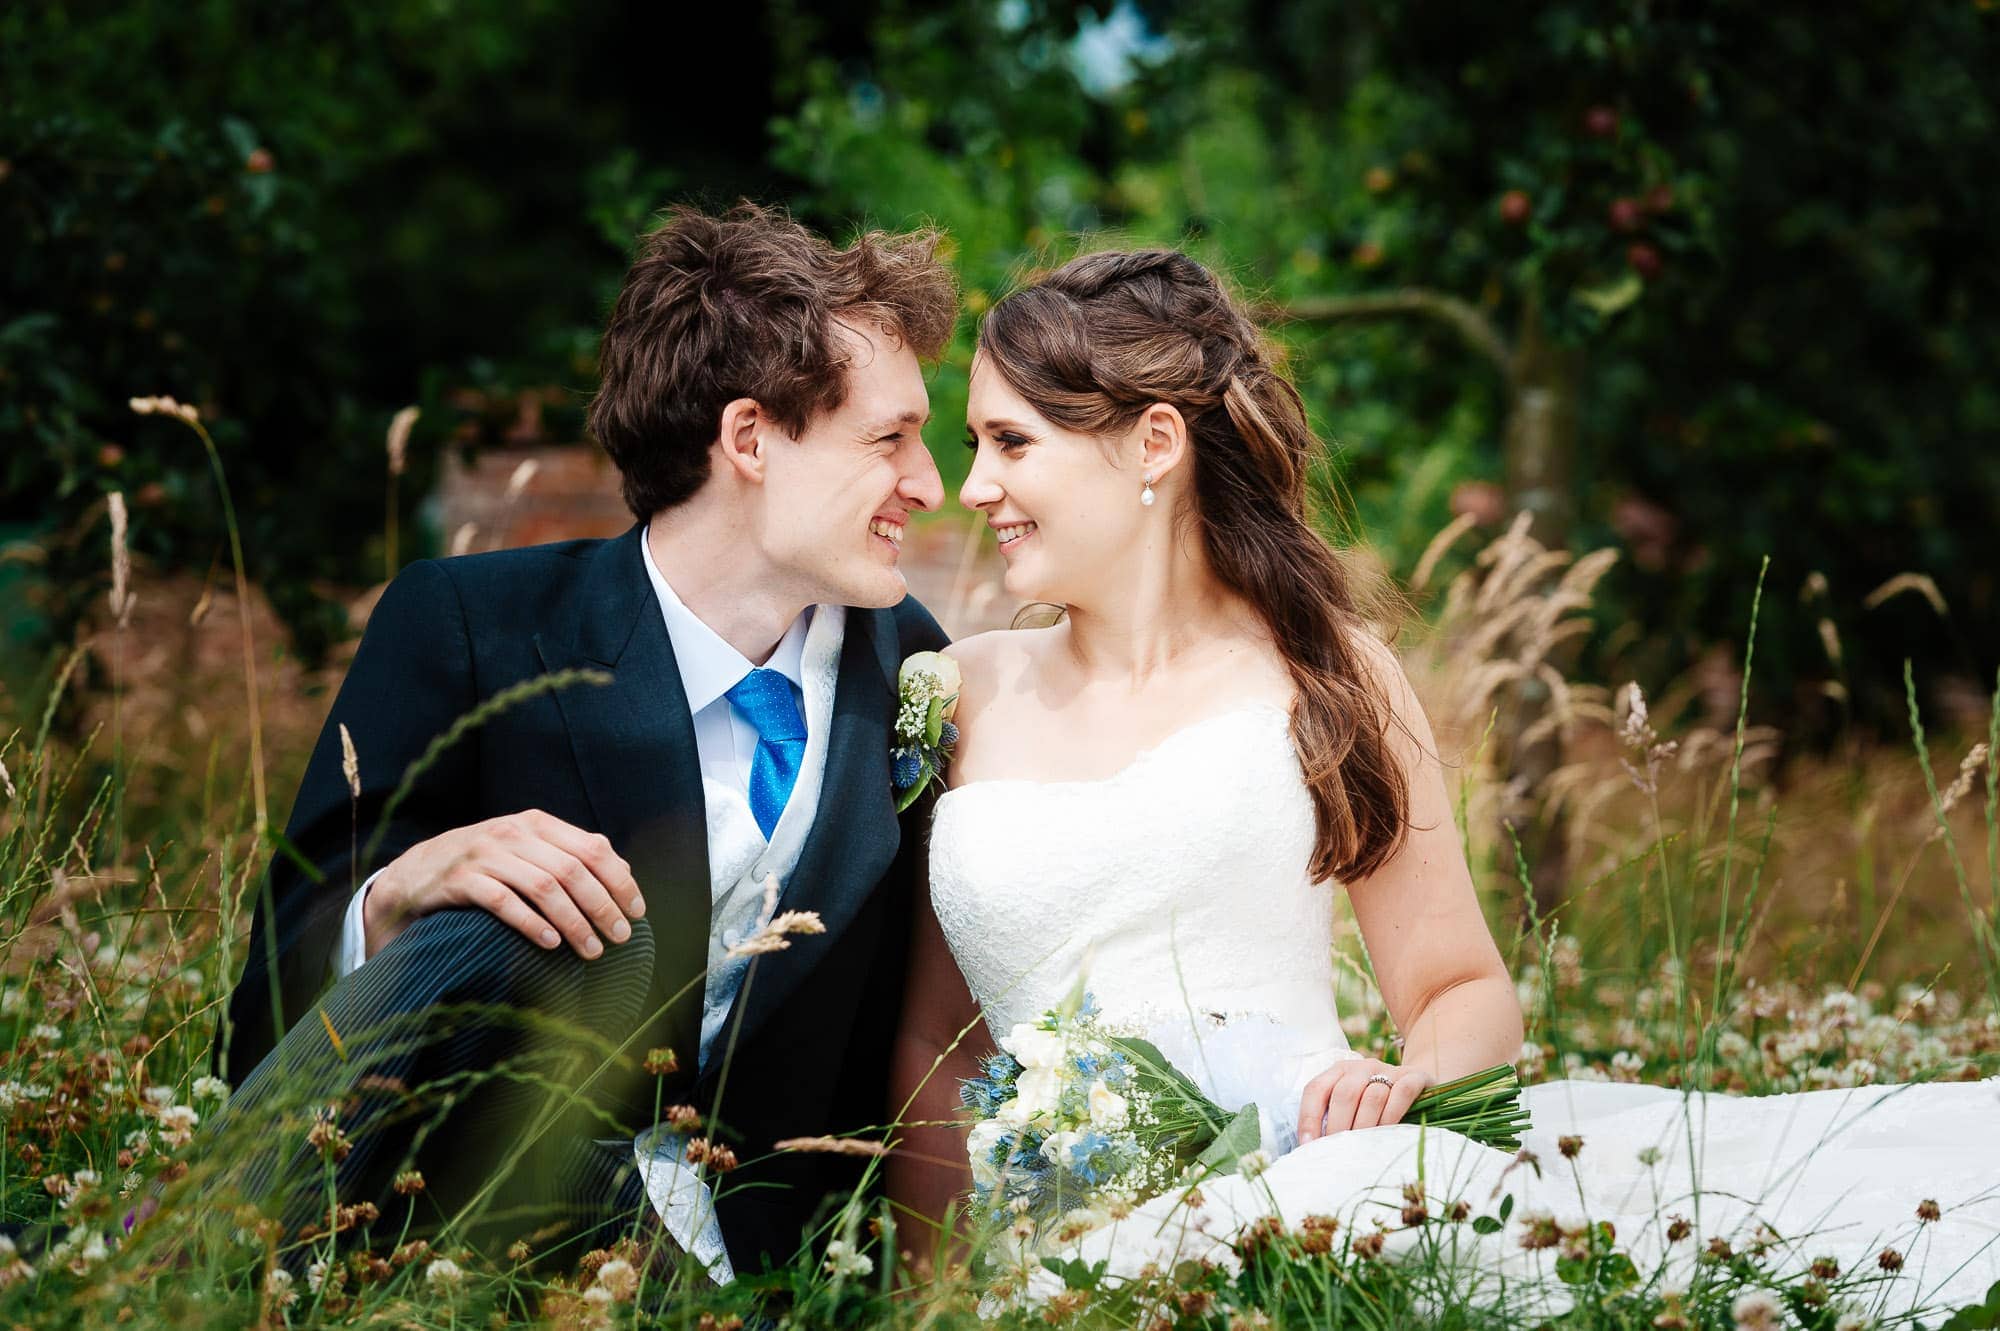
(1715, 935)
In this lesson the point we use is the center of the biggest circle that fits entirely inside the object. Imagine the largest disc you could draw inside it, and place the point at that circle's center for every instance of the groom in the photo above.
(582, 854)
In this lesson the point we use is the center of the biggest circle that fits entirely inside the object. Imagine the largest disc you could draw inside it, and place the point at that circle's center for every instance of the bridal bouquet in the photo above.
(1073, 1120)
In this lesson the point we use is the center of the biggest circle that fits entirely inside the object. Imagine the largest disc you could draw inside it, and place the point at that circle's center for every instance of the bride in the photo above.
(1160, 793)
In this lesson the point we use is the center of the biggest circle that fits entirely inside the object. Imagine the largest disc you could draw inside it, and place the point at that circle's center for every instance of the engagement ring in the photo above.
(1384, 1078)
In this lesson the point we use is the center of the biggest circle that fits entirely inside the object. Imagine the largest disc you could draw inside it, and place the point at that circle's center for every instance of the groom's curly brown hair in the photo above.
(745, 304)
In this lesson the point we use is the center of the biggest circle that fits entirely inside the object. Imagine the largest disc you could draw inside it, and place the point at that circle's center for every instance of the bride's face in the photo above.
(1064, 504)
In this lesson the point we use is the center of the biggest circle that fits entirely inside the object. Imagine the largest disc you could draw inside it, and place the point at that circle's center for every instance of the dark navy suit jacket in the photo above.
(808, 1040)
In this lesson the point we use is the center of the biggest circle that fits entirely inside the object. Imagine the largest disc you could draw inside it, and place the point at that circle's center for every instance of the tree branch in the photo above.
(1462, 316)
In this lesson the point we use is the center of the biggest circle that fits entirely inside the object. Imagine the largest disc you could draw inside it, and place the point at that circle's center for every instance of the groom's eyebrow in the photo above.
(918, 419)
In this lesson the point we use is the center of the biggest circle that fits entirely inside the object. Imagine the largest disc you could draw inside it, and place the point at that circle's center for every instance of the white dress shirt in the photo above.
(741, 859)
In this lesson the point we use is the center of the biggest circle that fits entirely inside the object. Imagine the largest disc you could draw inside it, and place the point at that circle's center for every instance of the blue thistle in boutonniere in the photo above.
(926, 696)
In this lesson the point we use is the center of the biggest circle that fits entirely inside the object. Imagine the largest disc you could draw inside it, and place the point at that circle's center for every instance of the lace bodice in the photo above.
(1178, 888)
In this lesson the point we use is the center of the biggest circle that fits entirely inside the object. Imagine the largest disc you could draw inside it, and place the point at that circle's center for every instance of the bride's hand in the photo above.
(1358, 1093)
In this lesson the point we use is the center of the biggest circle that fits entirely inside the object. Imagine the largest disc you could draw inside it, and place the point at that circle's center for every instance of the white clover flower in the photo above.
(1108, 1109)
(138, 1140)
(211, 1088)
(444, 1272)
(316, 1275)
(177, 1124)
(44, 1031)
(1254, 1163)
(842, 1260)
(1853, 1319)
(1757, 1310)
(618, 1278)
(1625, 1063)
(8, 1252)
(130, 1183)
(11, 999)
(1732, 1044)
(159, 1096)
(597, 1294)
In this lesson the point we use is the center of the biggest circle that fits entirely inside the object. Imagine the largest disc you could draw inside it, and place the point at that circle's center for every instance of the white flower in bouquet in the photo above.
(1108, 1109)
(1033, 1047)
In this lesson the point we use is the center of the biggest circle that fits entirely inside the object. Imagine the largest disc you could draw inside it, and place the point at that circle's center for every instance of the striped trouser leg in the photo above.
(461, 1050)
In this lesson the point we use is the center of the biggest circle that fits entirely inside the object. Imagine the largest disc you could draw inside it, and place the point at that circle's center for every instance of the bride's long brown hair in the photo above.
(1103, 337)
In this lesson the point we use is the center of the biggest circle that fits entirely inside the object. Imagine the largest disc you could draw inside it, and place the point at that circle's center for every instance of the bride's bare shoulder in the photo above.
(991, 665)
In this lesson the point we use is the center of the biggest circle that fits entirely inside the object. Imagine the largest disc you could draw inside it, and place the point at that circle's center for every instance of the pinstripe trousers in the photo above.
(466, 1052)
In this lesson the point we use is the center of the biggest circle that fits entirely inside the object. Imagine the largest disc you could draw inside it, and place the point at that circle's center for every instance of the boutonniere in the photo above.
(926, 696)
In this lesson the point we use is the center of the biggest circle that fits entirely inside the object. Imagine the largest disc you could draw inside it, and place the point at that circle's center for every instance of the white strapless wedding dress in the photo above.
(1178, 889)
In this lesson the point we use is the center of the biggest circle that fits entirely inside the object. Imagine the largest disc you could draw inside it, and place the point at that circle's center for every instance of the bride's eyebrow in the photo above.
(996, 426)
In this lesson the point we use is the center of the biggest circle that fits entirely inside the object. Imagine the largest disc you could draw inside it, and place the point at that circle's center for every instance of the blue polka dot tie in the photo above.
(764, 699)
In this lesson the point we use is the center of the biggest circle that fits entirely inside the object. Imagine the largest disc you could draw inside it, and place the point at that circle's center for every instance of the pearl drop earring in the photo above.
(1146, 495)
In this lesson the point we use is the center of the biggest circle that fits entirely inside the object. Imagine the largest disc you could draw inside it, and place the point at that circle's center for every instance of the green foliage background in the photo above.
(1801, 368)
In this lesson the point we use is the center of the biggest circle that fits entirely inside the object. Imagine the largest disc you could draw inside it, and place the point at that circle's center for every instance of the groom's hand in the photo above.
(552, 881)
(1358, 1093)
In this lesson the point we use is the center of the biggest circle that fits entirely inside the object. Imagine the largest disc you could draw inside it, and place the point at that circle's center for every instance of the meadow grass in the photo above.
(1727, 926)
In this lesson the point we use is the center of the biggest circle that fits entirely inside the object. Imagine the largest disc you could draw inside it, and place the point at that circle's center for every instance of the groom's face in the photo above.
(837, 500)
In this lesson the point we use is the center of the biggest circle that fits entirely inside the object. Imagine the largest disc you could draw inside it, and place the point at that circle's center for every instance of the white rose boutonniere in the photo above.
(927, 695)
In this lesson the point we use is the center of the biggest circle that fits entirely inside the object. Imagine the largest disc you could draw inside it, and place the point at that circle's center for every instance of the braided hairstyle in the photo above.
(1103, 337)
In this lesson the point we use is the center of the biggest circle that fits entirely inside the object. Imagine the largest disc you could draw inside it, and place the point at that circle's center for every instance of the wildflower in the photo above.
(842, 1260)
(1065, 1303)
(1889, 1260)
(518, 1251)
(211, 1088)
(683, 1118)
(444, 1272)
(701, 1151)
(1756, 1310)
(1649, 1156)
(316, 1275)
(1719, 1250)
(1570, 1146)
(1625, 1065)
(1927, 1211)
(1539, 1230)
(1252, 1163)
(661, 1062)
(46, 1033)
(326, 1137)
(177, 1124)
(1825, 1268)
(159, 1097)
(1459, 1210)
(278, 1287)
(409, 1183)
(598, 1295)
(1367, 1247)
(1853, 1320)
(620, 1278)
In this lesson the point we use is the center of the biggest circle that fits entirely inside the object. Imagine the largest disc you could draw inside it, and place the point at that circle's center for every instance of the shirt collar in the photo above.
(709, 666)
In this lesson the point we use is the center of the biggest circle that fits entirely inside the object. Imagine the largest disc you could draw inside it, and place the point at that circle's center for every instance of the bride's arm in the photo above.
(939, 1043)
(1441, 975)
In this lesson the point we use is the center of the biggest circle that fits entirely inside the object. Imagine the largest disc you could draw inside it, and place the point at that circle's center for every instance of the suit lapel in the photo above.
(633, 742)
(855, 833)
